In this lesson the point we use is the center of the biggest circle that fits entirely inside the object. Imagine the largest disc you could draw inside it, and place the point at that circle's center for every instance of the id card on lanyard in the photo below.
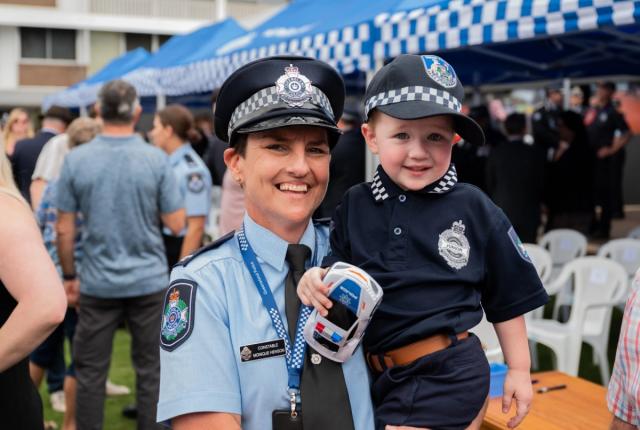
(294, 354)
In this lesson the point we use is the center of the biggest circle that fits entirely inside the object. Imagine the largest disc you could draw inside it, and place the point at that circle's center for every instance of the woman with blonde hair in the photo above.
(18, 127)
(32, 304)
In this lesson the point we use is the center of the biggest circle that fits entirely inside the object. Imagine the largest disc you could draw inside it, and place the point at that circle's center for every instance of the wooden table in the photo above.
(580, 406)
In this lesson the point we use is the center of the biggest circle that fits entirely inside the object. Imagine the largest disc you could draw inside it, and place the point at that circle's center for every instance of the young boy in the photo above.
(442, 252)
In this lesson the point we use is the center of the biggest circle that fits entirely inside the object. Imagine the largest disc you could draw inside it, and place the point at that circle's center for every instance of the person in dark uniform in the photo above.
(442, 252)
(515, 178)
(55, 121)
(608, 134)
(470, 158)
(32, 304)
(569, 178)
(544, 122)
(347, 159)
(173, 128)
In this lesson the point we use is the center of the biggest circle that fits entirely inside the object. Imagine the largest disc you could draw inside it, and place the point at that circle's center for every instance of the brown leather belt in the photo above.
(410, 353)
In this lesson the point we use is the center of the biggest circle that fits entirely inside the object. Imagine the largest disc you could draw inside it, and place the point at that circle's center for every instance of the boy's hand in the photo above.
(313, 292)
(517, 385)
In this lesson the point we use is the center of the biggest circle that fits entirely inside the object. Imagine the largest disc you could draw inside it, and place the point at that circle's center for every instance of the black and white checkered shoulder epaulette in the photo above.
(213, 245)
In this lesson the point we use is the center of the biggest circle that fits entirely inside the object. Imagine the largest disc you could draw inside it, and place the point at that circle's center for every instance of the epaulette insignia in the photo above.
(209, 247)
(190, 161)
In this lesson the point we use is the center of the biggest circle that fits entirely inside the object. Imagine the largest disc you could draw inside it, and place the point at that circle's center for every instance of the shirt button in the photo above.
(397, 231)
(402, 198)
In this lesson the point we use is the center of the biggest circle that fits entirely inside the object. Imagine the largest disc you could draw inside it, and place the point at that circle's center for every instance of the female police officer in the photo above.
(227, 358)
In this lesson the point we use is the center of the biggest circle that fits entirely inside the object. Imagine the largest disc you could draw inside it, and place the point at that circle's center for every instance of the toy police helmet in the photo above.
(355, 296)
(278, 92)
(421, 86)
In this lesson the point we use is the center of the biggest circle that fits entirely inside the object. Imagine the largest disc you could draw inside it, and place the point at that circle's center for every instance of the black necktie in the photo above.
(325, 400)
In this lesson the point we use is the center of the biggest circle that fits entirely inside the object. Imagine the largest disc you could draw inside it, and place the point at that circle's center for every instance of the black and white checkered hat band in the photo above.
(407, 94)
(268, 97)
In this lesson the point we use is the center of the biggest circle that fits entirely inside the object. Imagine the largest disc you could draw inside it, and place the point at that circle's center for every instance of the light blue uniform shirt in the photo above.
(194, 181)
(205, 373)
(121, 185)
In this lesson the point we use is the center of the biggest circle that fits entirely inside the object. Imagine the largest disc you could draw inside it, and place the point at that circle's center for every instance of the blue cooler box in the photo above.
(496, 384)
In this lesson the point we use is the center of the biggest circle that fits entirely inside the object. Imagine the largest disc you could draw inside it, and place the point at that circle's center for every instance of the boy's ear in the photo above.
(369, 133)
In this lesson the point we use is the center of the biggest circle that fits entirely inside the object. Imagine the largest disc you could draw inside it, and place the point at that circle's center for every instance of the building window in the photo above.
(137, 40)
(48, 43)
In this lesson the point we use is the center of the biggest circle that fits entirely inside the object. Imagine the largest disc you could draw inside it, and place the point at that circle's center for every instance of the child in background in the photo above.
(442, 252)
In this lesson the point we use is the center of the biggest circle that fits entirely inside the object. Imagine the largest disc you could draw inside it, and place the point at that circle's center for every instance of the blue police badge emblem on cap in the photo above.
(293, 87)
(453, 246)
(440, 71)
(177, 318)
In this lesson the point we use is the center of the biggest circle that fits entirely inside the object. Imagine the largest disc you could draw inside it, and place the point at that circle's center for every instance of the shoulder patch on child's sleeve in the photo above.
(517, 243)
(177, 313)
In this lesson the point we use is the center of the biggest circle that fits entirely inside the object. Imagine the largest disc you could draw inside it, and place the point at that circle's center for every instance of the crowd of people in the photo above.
(123, 214)
(559, 163)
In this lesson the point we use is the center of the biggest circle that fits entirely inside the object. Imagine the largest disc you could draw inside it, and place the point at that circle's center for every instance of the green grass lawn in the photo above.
(122, 373)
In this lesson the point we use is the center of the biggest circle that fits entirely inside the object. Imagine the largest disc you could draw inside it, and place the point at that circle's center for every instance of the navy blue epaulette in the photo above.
(191, 162)
(213, 245)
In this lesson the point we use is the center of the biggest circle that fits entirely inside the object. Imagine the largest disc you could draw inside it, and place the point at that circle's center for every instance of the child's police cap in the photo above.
(279, 91)
(421, 86)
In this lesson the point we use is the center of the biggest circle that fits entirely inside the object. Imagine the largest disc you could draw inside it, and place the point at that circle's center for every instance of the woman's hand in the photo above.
(313, 292)
(517, 385)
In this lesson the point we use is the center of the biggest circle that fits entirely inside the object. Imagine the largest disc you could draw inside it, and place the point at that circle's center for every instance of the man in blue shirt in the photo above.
(123, 188)
(227, 361)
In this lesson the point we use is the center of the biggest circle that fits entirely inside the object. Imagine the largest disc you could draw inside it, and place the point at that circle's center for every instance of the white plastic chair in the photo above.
(563, 245)
(489, 340)
(627, 253)
(541, 260)
(598, 285)
(635, 233)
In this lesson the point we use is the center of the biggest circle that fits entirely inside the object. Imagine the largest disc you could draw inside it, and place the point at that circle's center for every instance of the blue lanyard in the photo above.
(295, 356)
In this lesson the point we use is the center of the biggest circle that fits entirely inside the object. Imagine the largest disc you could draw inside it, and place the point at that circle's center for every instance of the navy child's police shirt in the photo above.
(441, 255)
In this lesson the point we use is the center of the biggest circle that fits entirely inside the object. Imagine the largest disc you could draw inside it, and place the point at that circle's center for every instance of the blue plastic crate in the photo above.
(496, 384)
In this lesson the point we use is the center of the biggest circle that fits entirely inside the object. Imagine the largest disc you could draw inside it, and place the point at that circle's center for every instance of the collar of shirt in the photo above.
(176, 156)
(49, 130)
(382, 187)
(271, 248)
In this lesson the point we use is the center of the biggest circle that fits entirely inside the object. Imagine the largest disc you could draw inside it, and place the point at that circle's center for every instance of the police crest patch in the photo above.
(453, 246)
(517, 243)
(293, 87)
(178, 312)
(195, 183)
(440, 71)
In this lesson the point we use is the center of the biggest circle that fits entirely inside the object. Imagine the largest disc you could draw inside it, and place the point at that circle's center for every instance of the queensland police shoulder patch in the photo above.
(177, 315)
(195, 183)
(453, 246)
(517, 243)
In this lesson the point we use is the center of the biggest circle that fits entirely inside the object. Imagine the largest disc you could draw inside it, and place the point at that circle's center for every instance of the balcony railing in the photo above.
(189, 9)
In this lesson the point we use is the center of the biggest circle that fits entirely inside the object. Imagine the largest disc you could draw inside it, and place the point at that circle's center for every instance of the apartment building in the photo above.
(46, 45)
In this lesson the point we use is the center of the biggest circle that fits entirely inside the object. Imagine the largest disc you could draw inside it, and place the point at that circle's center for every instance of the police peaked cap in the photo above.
(421, 86)
(279, 91)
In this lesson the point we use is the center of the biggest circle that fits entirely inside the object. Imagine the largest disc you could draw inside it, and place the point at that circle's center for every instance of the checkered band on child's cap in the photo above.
(414, 93)
(269, 97)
